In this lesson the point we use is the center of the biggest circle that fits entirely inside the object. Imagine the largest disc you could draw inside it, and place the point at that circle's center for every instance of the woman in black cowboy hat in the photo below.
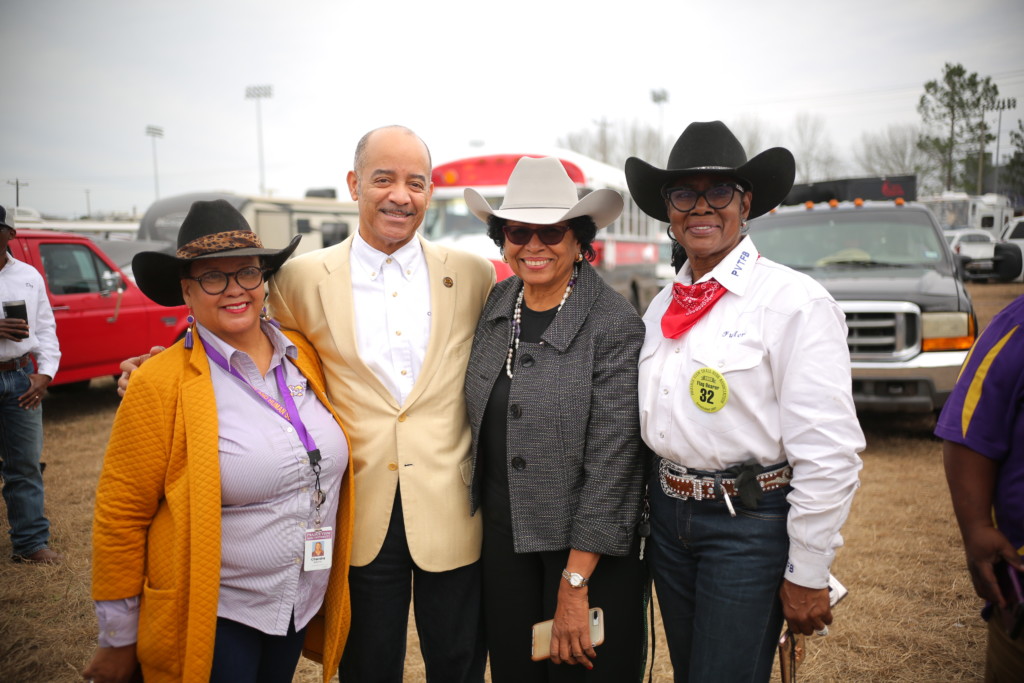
(745, 400)
(226, 469)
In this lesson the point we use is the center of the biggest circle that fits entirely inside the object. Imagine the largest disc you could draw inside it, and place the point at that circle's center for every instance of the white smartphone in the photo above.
(542, 634)
(836, 591)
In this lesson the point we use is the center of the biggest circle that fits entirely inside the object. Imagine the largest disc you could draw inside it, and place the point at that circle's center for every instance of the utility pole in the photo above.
(88, 207)
(1001, 106)
(258, 92)
(18, 184)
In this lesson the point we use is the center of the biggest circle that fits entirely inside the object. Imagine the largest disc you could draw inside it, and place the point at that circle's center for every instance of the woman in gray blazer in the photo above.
(558, 470)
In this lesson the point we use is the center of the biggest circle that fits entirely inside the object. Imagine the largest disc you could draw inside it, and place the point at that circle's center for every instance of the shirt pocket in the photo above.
(741, 367)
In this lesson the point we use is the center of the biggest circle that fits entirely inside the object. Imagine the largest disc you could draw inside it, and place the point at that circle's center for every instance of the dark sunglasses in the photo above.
(216, 281)
(548, 234)
(683, 199)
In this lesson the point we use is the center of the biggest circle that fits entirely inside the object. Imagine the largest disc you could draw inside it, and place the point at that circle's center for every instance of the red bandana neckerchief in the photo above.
(689, 304)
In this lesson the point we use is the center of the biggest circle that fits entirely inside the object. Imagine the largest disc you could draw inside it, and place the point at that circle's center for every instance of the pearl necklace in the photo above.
(517, 315)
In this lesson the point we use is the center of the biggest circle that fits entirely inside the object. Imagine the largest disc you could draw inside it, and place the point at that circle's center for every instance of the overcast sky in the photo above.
(83, 79)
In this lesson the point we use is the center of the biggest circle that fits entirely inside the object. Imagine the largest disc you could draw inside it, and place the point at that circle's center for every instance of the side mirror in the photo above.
(112, 281)
(961, 261)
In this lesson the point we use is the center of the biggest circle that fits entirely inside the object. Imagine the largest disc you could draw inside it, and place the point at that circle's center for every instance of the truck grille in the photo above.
(882, 330)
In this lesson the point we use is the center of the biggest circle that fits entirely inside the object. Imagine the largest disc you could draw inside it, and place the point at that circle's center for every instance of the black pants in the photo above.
(243, 654)
(447, 609)
(522, 589)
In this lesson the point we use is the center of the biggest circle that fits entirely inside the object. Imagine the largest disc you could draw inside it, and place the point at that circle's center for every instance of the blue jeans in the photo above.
(243, 654)
(717, 579)
(21, 444)
(447, 609)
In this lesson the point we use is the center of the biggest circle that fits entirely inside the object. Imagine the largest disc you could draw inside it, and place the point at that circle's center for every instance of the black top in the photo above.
(494, 428)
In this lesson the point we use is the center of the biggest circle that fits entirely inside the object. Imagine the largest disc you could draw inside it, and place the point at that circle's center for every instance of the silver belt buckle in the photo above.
(668, 469)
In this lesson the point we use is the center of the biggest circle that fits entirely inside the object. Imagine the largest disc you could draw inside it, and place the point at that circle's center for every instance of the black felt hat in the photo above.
(710, 147)
(210, 230)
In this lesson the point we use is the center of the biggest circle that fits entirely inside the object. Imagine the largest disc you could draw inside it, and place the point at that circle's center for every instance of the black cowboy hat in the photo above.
(710, 147)
(210, 230)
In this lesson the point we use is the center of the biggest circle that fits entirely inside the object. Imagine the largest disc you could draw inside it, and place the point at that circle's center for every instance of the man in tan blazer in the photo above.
(392, 317)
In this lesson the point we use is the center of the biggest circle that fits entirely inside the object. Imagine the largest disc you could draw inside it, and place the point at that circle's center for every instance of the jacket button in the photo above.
(518, 463)
(392, 466)
(527, 361)
(515, 411)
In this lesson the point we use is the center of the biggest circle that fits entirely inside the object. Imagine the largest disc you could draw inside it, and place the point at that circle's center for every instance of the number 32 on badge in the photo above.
(709, 390)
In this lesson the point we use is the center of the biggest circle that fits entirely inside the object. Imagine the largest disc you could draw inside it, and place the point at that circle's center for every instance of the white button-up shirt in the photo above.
(21, 282)
(779, 341)
(391, 295)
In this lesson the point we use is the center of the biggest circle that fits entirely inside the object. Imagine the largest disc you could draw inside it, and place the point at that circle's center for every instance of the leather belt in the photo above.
(16, 364)
(677, 482)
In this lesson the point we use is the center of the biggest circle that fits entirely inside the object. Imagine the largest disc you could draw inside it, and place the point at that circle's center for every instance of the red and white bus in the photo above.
(627, 250)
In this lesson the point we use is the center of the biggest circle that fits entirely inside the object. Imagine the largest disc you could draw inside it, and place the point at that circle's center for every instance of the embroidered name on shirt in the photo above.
(739, 262)
(734, 334)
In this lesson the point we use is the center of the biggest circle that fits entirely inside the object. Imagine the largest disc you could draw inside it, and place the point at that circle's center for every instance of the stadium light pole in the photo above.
(258, 92)
(155, 132)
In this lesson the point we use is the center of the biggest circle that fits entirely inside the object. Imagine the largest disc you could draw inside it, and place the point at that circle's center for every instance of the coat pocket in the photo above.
(159, 630)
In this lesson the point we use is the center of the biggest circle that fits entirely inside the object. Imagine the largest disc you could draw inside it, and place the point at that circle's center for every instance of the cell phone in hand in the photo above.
(836, 591)
(542, 634)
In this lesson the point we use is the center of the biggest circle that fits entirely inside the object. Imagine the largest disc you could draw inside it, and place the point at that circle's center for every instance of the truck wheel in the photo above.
(1008, 262)
(70, 387)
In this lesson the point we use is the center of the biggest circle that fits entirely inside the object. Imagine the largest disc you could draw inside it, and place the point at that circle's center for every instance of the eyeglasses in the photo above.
(685, 198)
(216, 281)
(549, 234)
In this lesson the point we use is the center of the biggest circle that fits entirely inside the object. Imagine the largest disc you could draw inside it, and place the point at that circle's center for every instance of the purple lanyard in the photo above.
(288, 411)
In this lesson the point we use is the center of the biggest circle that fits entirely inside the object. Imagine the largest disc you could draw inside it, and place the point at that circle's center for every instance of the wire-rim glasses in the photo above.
(718, 196)
(216, 281)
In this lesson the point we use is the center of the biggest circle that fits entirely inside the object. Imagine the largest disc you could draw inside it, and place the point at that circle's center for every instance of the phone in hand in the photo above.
(542, 634)
(836, 591)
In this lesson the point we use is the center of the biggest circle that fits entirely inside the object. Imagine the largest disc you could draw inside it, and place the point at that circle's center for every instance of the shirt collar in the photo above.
(409, 257)
(732, 272)
(283, 347)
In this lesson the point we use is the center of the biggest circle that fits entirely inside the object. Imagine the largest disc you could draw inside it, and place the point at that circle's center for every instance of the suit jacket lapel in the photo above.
(443, 298)
(338, 306)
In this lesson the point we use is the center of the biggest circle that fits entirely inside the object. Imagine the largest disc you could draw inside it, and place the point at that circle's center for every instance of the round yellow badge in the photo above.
(709, 390)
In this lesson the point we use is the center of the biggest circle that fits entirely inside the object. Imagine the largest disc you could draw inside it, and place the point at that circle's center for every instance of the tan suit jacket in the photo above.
(424, 444)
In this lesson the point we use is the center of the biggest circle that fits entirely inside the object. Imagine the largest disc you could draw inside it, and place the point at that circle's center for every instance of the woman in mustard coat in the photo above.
(226, 470)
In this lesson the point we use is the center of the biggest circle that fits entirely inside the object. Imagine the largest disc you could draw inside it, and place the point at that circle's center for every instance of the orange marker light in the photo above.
(833, 203)
(858, 202)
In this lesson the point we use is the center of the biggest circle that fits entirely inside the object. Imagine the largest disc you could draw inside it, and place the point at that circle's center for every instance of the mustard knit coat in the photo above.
(156, 529)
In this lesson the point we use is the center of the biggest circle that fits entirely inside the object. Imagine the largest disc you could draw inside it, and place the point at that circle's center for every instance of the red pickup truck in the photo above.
(102, 316)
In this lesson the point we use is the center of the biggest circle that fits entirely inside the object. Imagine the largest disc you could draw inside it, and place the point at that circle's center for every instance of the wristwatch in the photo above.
(575, 580)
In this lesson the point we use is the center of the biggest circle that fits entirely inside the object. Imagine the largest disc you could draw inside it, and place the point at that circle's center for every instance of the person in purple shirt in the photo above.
(982, 424)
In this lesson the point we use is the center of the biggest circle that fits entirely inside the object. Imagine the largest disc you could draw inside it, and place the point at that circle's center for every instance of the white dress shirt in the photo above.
(391, 295)
(779, 341)
(21, 282)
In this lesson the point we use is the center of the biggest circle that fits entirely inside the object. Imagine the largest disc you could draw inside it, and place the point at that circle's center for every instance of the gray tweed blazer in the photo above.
(575, 462)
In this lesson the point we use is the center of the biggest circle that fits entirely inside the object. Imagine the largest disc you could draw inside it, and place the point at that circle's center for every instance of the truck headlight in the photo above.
(947, 331)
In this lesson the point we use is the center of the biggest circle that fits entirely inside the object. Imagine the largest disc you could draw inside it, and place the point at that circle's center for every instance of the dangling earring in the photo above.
(503, 257)
(263, 313)
(579, 257)
(188, 331)
(671, 237)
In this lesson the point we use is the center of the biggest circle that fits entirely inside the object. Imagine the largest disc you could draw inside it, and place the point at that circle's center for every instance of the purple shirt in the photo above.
(985, 412)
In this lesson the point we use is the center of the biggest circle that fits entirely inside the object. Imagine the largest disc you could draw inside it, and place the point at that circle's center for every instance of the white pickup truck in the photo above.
(1001, 260)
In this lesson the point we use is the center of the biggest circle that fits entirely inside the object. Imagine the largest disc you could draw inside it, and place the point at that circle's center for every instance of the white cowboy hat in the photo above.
(540, 192)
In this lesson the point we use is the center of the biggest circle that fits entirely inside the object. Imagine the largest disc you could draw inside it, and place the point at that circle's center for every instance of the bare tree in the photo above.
(896, 151)
(816, 159)
(614, 142)
(754, 134)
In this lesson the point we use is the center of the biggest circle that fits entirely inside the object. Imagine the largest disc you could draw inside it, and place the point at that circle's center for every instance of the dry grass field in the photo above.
(911, 614)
